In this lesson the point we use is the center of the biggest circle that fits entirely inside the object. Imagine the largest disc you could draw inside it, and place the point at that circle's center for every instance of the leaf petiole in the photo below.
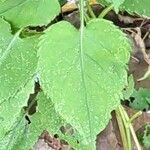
(105, 11)
(129, 127)
(90, 9)
(135, 116)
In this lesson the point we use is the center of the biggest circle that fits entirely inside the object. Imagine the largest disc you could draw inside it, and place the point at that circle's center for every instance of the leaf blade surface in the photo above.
(23, 13)
(61, 73)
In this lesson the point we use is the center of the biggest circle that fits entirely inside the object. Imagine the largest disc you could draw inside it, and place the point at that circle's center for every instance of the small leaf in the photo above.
(146, 138)
(84, 93)
(127, 92)
(23, 13)
(146, 141)
(62, 2)
(142, 99)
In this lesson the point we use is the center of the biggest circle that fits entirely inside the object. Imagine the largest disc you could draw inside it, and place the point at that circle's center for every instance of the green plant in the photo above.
(146, 137)
(141, 99)
(133, 7)
(81, 73)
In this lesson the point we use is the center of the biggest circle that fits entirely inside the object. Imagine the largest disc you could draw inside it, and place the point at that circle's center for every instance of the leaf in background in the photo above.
(62, 2)
(18, 62)
(146, 141)
(146, 138)
(140, 7)
(128, 90)
(141, 99)
(116, 3)
(84, 94)
(23, 13)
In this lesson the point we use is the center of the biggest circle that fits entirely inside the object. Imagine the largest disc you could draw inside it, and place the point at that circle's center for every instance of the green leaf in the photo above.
(18, 62)
(146, 141)
(23, 13)
(142, 99)
(127, 92)
(23, 136)
(62, 2)
(146, 138)
(13, 123)
(116, 3)
(46, 118)
(140, 7)
(84, 93)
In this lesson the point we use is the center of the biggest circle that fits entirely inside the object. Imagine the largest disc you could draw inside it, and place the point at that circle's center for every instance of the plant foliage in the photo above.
(77, 83)
(46, 118)
(128, 90)
(139, 7)
(23, 13)
(146, 137)
(18, 63)
(141, 99)
(82, 74)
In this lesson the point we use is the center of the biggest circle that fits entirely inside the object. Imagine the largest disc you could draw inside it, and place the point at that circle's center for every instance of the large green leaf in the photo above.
(29, 12)
(85, 87)
(18, 62)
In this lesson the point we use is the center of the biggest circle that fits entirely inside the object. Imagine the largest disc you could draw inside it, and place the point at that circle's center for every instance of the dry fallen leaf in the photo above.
(127, 19)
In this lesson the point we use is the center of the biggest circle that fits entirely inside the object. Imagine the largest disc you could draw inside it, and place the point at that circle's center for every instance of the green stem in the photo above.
(131, 129)
(122, 130)
(81, 16)
(90, 9)
(87, 18)
(81, 54)
(129, 138)
(135, 138)
(105, 11)
(124, 118)
(135, 116)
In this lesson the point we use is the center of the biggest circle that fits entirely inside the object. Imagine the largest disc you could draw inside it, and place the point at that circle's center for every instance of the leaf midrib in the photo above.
(81, 55)
(6, 52)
